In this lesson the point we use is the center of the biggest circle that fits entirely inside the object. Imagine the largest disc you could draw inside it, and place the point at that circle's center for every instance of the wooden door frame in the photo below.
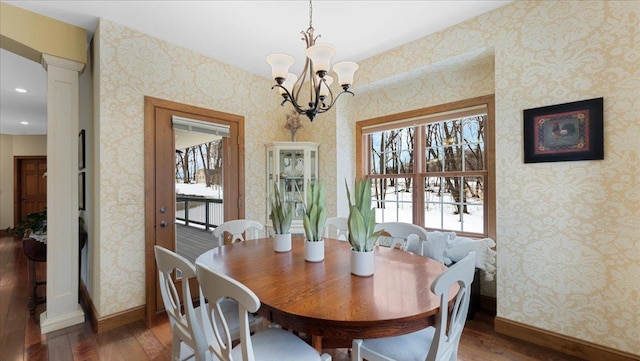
(17, 184)
(150, 106)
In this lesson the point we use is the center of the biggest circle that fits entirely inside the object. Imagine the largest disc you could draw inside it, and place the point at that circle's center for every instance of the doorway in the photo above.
(30, 185)
(199, 172)
(162, 178)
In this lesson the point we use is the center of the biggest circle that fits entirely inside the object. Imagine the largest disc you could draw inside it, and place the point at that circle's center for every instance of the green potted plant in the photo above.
(281, 218)
(313, 221)
(32, 223)
(361, 224)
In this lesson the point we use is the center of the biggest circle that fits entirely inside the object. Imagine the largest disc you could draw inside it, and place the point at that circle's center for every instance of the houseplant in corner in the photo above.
(281, 218)
(361, 223)
(33, 224)
(314, 217)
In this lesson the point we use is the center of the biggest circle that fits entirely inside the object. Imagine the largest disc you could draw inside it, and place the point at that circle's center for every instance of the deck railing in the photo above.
(207, 212)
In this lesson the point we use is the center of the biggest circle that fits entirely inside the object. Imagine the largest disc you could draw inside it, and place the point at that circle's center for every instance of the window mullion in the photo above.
(418, 170)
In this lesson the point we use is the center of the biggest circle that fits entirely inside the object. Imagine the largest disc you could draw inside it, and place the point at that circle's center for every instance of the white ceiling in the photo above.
(240, 33)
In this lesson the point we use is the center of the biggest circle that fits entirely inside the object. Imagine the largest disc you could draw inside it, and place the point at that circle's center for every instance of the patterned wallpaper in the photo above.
(568, 233)
(131, 65)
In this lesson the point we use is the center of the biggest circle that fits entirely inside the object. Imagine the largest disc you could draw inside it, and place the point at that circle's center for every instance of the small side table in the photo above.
(35, 251)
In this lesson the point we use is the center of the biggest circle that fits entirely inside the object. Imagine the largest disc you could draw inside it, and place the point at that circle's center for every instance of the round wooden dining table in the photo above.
(323, 299)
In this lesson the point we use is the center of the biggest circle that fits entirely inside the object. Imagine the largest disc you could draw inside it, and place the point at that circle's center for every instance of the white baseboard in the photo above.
(59, 322)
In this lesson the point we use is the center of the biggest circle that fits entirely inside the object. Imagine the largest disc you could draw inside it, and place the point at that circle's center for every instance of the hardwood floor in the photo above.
(20, 338)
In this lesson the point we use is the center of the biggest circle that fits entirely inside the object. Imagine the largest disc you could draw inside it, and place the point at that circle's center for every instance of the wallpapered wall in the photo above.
(568, 247)
(131, 65)
(568, 233)
(465, 76)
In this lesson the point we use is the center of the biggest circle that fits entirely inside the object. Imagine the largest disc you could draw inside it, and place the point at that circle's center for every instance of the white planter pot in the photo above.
(314, 251)
(362, 263)
(282, 242)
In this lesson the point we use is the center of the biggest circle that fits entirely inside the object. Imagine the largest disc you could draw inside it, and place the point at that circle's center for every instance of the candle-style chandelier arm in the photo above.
(316, 105)
(309, 39)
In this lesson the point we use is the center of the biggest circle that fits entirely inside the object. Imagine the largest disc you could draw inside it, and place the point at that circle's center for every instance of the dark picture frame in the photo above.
(564, 132)
(81, 191)
(81, 144)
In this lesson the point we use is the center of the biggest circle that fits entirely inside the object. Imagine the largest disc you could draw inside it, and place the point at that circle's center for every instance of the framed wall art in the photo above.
(564, 132)
(81, 192)
(81, 156)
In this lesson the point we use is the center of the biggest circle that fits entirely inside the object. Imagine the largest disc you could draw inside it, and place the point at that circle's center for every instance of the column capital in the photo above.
(61, 63)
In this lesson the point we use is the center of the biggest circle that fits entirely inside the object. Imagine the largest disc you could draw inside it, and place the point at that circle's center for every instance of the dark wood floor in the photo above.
(20, 337)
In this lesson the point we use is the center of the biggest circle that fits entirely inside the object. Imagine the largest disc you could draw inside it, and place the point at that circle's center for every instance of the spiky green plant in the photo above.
(362, 218)
(281, 217)
(315, 213)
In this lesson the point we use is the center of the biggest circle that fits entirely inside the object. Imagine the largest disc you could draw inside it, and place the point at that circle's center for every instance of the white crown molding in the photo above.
(61, 63)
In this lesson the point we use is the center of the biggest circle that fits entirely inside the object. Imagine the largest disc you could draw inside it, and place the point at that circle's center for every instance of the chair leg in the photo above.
(176, 345)
(355, 350)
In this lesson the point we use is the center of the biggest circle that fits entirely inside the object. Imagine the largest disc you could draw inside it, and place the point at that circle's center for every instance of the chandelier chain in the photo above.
(310, 15)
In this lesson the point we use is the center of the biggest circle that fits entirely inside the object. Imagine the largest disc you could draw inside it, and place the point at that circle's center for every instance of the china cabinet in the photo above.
(291, 165)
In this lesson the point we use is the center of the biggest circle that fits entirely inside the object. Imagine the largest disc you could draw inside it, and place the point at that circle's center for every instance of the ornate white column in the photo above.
(63, 309)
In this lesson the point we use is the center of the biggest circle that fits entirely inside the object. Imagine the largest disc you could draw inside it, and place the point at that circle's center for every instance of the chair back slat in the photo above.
(336, 227)
(449, 325)
(179, 305)
(216, 288)
(404, 235)
(236, 228)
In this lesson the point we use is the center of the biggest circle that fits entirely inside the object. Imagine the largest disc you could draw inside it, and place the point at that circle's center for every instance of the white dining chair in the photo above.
(187, 328)
(337, 228)
(401, 232)
(271, 344)
(236, 228)
(439, 343)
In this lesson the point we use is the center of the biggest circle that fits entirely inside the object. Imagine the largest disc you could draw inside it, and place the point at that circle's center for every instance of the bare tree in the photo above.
(454, 146)
(205, 157)
(408, 166)
(205, 151)
(179, 164)
(186, 176)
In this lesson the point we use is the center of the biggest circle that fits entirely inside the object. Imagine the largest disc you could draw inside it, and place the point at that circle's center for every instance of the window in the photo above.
(433, 166)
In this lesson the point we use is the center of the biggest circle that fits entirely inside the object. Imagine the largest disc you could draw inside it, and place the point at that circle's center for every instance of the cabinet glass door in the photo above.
(313, 164)
(270, 178)
(292, 180)
(291, 165)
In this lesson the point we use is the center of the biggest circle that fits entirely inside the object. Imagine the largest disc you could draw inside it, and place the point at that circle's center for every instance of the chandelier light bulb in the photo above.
(288, 84)
(324, 85)
(345, 72)
(280, 64)
(320, 55)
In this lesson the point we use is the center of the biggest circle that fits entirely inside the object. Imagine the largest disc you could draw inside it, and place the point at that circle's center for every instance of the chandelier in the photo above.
(314, 75)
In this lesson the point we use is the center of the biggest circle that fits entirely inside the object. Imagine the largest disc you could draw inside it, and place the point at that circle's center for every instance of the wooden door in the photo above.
(160, 179)
(30, 185)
